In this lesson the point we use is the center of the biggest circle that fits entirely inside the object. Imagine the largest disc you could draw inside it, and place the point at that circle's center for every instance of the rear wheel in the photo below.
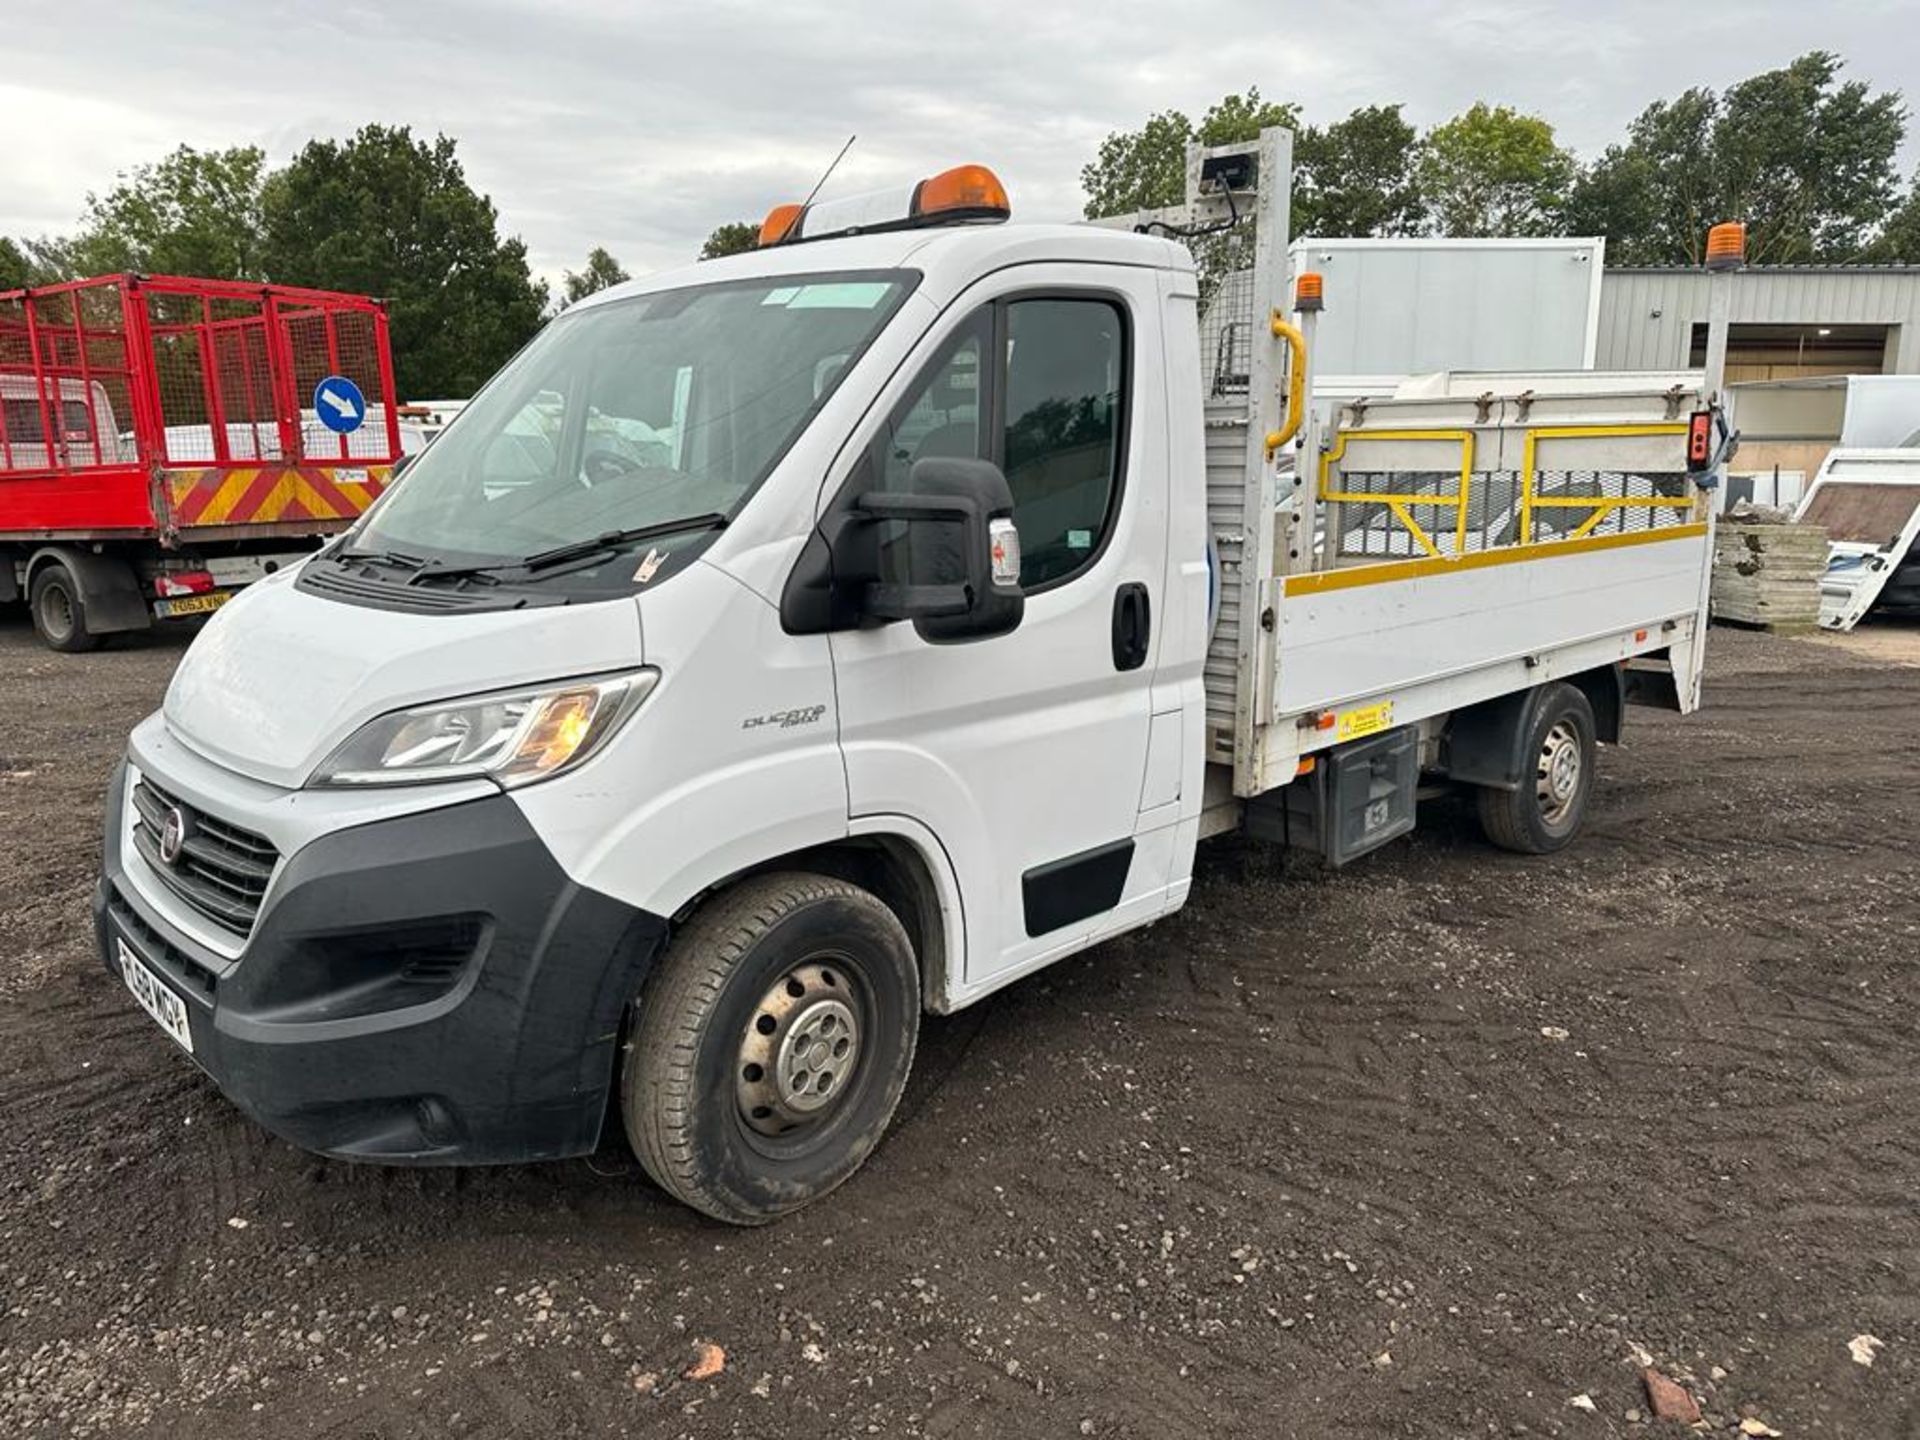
(1546, 809)
(59, 613)
(771, 1046)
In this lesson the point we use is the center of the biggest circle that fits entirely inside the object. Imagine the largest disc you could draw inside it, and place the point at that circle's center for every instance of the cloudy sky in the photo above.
(641, 126)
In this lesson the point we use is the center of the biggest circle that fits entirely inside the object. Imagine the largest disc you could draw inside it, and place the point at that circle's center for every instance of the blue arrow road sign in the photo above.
(339, 404)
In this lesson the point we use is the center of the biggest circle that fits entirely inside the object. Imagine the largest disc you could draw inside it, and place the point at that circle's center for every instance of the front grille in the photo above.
(152, 947)
(220, 870)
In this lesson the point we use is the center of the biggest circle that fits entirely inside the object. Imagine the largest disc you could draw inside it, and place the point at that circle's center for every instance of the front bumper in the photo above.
(427, 989)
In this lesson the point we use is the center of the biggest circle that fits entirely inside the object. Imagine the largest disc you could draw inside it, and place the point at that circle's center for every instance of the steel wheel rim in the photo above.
(801, 1050)
(56, 611)
(1558, 773)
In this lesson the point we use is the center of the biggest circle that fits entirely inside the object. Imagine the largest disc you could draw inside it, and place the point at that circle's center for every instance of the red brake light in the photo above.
(182, 582)
(1700, 440)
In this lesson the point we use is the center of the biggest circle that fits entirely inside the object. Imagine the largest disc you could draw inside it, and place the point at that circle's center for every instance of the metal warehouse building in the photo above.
(1788, 321)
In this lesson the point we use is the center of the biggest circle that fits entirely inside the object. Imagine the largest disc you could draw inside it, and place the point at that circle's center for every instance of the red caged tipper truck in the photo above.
(167, 440)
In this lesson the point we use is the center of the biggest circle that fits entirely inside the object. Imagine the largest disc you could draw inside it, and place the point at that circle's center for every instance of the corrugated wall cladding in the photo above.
(1647, 316)
(1226, 517)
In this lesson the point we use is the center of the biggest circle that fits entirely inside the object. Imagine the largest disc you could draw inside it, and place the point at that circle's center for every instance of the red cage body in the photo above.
(176, 410)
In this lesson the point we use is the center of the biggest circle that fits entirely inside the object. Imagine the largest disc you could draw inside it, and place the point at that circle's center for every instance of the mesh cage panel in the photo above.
(1226, 334)
(16, 353)
(1500, 509)
(65, 385)
(209, 375)
(1607, 502)
(186, 434)
(1374, 530)
(337, 343)
(243, 385)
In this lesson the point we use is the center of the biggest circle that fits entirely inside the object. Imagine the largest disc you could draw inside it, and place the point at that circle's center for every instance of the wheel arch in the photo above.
(909, 873)
(1606, 691)
(109, 589)
(1485, 743)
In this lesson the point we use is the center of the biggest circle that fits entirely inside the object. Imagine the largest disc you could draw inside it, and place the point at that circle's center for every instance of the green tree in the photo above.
(195, 212)
(736, 237)
(1235, 119)
(601, 271)
(1899, 240)
(1805, 160)
(1651, 197)
(1146, 169)
(1493, 171)
(1142, 169)
(15, 269)
(1356, 177)
(386, 214)
(1808, 163)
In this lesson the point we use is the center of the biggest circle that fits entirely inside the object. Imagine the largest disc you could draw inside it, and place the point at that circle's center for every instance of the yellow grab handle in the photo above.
(1296, 411)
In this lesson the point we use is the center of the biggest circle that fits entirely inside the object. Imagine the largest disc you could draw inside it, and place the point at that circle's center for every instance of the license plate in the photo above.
(191, 604)
(154, 996)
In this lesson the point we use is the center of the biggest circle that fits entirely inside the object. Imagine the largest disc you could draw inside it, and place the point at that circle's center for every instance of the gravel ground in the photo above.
(1427, 1148)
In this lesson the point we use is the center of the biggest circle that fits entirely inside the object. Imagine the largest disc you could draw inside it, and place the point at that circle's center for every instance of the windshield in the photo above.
(634, 414)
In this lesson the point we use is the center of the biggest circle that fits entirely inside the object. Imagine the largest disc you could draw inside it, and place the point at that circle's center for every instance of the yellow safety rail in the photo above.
(1601, 505)
(1296, 413)
(1398, 503)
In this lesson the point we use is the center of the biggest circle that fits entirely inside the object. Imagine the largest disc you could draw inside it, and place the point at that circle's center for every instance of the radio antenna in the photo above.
(829, 171)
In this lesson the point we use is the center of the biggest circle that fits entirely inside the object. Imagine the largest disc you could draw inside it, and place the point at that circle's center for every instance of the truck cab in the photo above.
(840, 606)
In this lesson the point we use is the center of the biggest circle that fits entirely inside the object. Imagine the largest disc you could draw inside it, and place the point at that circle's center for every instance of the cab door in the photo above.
(1024, 753)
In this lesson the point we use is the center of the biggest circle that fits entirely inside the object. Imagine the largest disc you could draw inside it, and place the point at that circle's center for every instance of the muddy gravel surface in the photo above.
(1429, 1147)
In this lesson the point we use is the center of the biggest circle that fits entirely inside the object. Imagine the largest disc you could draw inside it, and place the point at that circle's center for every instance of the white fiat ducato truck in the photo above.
(784, 647)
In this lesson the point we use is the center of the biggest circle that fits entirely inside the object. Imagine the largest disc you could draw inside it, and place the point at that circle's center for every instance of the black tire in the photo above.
(1546, 810)
(711, 1131)
(59, 614)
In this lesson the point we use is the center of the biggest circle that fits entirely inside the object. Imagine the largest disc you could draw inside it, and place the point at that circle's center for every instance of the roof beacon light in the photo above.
(966, 192)
(1309, 292)
(1727, 246)
(781, 223)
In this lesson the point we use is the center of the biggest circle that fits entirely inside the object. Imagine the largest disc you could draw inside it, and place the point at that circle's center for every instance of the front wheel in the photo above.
(771, 1046)
(1545, 810)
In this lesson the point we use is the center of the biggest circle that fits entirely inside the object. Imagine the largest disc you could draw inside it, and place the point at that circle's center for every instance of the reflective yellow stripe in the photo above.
(1322, 581)
(282, 498)
(231, 489)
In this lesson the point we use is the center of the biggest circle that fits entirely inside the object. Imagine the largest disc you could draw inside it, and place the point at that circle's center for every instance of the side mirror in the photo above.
(955, 568)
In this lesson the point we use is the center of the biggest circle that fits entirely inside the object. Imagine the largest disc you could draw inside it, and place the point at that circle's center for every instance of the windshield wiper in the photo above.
(614, 539)
(572, 550)
(377, 557)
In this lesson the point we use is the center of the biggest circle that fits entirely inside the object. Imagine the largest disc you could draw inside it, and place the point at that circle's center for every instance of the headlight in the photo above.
(510, 737)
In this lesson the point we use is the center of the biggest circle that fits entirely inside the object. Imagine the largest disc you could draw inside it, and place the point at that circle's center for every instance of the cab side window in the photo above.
(1065, 378)
(945, 415)
(1051, 414)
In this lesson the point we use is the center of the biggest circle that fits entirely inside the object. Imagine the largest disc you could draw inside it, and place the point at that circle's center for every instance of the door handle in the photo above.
(1132, 626)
